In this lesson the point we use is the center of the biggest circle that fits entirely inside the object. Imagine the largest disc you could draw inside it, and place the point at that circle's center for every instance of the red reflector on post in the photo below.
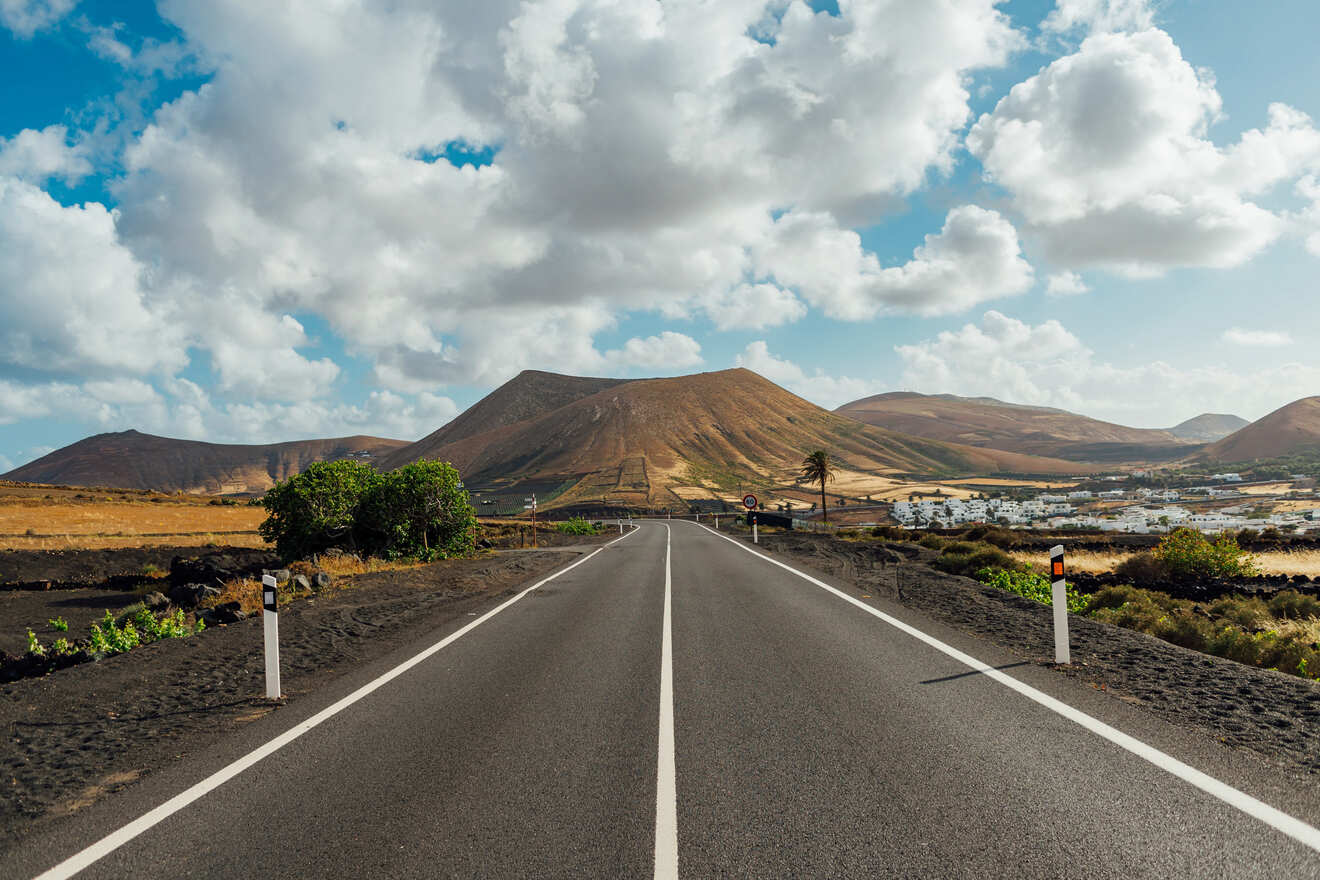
(1058, 569)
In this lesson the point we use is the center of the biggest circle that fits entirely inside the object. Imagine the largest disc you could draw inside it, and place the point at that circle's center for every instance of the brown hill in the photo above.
(529, 394)
(634, 442)
(1289, 430)
(1208, 427)
(992, 424)
(132, 460)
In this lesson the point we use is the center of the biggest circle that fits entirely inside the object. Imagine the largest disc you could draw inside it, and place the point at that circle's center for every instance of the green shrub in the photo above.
(934, 542)
(1247, 613)
(315, 510)
(968, 558)
(420, 510)
(59, 624)
(1188, 553)
(576, 526)
(1183, 627)
(1032, 586)
(1292, 605)
(890, 533)
(1003, 538)
(1142, 567)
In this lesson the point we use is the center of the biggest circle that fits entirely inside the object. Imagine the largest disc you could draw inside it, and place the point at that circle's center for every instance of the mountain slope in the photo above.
(992, 424)
(639, 439)
(529, 394)
(132, 460)
(1208, 427)
(1288, 430)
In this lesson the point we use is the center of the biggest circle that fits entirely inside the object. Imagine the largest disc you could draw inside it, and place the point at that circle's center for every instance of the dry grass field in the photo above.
(62, 518)
(1304, 562)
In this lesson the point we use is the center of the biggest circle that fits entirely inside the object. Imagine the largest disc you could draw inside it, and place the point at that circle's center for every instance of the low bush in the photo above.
(968, 558)
(1243, 629)
(1143, 568)
(1188, 553)
(1292, 605)
(1032, 586)
(1003, 538)
(577, 526)
(890, 533)
(934, 542)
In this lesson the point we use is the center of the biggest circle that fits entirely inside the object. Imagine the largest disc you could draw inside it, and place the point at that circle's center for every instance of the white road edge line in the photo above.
(1298, 830)
(666, 796)
(116, 839)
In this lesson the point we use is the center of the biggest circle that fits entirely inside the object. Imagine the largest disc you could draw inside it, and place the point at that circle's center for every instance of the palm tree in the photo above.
(817, 468)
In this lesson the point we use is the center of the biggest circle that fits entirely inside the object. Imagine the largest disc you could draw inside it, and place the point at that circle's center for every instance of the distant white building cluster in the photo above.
(1058, 512)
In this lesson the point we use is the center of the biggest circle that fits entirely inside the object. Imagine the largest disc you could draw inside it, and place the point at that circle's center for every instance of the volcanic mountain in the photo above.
(993, 424)
(132, 460)
(1289, 430)
(635, 440)
(1208, 427)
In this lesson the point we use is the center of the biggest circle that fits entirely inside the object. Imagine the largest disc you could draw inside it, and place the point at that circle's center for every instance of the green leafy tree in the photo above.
(420, 510)
(818, 468)
(317, 509)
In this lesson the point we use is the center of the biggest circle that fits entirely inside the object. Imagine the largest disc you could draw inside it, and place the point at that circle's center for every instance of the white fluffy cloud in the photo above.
(37, 156)
(1257, 338)
(1066, 284)
(974, 258)
(819, 387)
(184, 409)
(643, 150)
(1106, 155)
(754, 307)
(668, 350)
(1309, 219)
(1046, 365)
(1099, 16)
(26, 17)
(72, 297)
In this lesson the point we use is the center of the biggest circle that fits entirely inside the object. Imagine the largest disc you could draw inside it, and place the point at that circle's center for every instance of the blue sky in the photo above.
(227, 222)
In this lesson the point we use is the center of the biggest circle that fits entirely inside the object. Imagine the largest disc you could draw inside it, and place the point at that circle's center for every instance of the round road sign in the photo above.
(749, 502)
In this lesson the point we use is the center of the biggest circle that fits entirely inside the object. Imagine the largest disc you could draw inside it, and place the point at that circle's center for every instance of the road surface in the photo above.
(674, 705)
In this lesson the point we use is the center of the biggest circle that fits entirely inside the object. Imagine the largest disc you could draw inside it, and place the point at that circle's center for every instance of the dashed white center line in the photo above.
(666, 797)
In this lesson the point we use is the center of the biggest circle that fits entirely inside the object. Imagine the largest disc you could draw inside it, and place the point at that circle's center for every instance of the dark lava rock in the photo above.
(216, 568)
(229, 612)
(190, 595)
(301, 582)
(155, 601)
(320, 580)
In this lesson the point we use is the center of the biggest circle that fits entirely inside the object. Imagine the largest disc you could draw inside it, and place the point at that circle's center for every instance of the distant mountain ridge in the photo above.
(133, 460)
(1208, 427)
(634, 441)
(1035, 430)
(1289, 430)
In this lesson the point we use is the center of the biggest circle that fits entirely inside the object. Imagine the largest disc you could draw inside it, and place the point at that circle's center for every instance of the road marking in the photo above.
(1295, 828)
(116, 839)
(666, 795)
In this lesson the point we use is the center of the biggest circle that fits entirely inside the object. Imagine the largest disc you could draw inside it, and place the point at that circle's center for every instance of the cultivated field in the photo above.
(54, 518)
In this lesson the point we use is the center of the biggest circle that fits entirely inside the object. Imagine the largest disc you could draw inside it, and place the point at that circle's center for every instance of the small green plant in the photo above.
(59, 624)
(34, 647)
(576, 526)
(1188, 553)
(1032, 586)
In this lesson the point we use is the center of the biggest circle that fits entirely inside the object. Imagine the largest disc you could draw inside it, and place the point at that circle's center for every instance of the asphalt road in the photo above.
(810, 739)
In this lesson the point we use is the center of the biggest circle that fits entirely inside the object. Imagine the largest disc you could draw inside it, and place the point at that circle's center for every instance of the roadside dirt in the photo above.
(76, 734)
(1276, 716)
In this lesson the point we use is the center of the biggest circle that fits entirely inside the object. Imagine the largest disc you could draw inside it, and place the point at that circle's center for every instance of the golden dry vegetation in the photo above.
(1289, 562)
(63, 518)
(247, 591)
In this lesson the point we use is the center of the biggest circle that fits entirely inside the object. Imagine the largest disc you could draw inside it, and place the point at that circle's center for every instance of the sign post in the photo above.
(532, 508)
(749, 502)
(1062, 654)
(271, 622)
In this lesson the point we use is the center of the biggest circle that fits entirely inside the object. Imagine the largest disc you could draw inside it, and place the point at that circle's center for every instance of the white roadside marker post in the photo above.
(755, 538)
(271, 622)
(1062, 654)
